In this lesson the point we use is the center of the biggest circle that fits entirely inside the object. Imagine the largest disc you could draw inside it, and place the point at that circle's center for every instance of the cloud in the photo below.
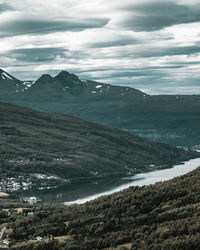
(108, 74)
(5, 7)
(114, 43)
(146, 51)
(170, 51)
(152, 16)
(24, 26)
(152, 45)
(37, 54)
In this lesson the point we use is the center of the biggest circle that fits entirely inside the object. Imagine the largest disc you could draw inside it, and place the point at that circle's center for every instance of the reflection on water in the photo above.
(147, 178)
(69, 192)
(82, 192)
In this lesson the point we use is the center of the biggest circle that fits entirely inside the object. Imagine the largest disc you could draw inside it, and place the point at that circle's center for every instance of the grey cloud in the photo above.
(142, 52)
(117, 71)
(114, 43)
(158, 15)
(37, 54)
(185, 63)
(135, 73)
(186, 50)
(5, 7)
(35, 26)
(49, 54)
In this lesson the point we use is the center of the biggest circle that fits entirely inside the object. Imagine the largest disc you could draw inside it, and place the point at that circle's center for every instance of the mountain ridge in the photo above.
(173, 119)
(71, 80)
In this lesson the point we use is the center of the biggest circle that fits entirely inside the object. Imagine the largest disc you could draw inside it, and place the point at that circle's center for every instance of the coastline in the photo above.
(147, 178)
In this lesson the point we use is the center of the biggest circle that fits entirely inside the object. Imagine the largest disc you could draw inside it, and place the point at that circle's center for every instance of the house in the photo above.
(31, 200)
(38, 239)
(6, 242)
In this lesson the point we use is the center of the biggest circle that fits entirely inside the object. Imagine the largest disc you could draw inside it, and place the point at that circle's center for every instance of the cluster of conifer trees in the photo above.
(161, 216)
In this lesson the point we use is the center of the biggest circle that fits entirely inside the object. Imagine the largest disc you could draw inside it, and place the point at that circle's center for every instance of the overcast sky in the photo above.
(152, 45)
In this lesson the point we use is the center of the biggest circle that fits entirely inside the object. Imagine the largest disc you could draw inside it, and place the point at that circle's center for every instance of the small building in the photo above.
(31, 200)
(6, 242)
(38, 239)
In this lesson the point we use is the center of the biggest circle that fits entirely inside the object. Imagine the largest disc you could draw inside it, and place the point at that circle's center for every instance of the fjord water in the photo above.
(86, 191)
(147, 179)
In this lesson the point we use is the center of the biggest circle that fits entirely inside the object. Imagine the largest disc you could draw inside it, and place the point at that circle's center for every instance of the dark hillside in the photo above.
(173, 119)
(161, 216)
(68, 147)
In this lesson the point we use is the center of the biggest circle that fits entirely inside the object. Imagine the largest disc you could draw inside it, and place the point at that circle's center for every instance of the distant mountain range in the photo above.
(173, 119)
(71, 148)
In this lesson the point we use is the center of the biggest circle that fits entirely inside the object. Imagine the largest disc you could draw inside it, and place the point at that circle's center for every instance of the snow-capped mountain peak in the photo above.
(6, 76)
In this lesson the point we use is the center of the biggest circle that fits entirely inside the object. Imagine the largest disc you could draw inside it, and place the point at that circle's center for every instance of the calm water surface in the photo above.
(86, 191)
(147, 178)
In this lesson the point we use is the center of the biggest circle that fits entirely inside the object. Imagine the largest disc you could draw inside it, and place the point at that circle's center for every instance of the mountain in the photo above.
(5, 76)
(62, 81)
(173, 119)
(161, 216)
(71, 89)
(9, 84)
(68, 80)
(73, 149)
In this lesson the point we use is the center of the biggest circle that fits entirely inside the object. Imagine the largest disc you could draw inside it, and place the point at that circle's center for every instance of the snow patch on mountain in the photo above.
(5, 76)
(28, 84)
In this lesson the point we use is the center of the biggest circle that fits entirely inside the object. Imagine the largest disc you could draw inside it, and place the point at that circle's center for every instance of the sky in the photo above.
(152, 45)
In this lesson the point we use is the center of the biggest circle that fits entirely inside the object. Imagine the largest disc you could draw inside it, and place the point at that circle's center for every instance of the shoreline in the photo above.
(142, 179)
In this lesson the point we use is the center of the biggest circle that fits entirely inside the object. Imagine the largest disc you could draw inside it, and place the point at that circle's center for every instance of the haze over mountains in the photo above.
(173, 119)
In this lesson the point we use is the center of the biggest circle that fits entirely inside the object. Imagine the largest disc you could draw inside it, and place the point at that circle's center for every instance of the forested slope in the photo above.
(56, 144)
(161, 216)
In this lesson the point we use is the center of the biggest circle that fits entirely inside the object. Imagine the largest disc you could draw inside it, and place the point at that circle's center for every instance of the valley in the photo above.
(100, 125)
(52, 158)
(46, 149)
(163, 216)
